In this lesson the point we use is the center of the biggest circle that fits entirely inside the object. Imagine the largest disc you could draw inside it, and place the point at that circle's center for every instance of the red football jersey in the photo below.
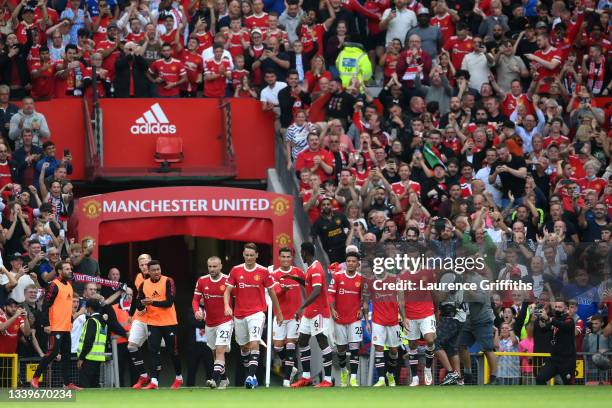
(598, 184)
(137, 38)
(306, 159)
(385, 308)
(211, 292)
(109, 62)
(254, 21)
(249, 289)
(418, 304)
(100, 35)
(445, 24)
(102, 78)
(310, 36)
(205, 40)
(64, 87)
(345, 292)
(169, 38)
(510, 103)
(557, 140)
(237, 75)
(235, 42)
(315, 276)
(43, 87)
(280, 35)
(288, 291)
(399, 188)
(21, 31)
(552, 54)
(193, 65)
(10, 336)
(458, 49)
(171, 71)
(215, 88)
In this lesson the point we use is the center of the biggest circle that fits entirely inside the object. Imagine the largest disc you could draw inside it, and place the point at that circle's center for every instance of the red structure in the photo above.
(214, 212)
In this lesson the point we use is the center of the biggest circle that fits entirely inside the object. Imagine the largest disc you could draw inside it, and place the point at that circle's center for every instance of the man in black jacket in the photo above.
(290, 98)
(130, 78)
(562, 359)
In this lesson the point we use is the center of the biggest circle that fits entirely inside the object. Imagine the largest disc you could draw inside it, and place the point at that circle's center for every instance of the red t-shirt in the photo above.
(345, 292)
(21, 31)
(249, 289)
(171, 71)
(385, 308)
(10, 336)
(558, 140)
(205, 40)
(237, 75)
(5, 174)
(235, 42)
(109, 62)
(399, 189)
(458, 49)
(306, 159)
(169, 38)
(445, 24)
(64, 87)
(100, 35)
(310, 36)
(43, 87)
(290, 299)
(102, 77)
(215, 88)
(137, 38)
(193, 65)
(315, 276)
(552, 54)
(510, 103)
(212, 294)
(598, 184)
(418, 304)
(253, 21)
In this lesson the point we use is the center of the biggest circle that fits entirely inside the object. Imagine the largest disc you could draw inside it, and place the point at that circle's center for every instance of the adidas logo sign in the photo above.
(153, 122)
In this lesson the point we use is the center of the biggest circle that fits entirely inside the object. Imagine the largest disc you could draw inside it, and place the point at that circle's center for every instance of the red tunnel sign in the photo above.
(215, 212)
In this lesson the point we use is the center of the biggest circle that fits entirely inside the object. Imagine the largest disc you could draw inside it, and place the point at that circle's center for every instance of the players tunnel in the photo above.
(181, 227)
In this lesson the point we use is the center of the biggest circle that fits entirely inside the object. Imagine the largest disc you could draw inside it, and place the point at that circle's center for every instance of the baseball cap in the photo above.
(28, 9)
(423, 10)
(541, 24)
(11, 301)
(256, 31)
(16, 255)
(112, 25)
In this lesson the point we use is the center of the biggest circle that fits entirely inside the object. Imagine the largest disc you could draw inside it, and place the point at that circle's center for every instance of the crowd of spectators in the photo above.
(490, 127)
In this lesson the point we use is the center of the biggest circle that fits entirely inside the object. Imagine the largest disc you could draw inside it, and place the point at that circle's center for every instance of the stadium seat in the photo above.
(168, 149)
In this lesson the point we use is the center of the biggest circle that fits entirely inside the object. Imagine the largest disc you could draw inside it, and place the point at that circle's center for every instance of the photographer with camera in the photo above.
(562, 359)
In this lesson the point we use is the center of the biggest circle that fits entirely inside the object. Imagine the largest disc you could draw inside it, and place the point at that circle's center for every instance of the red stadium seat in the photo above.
(168, 149)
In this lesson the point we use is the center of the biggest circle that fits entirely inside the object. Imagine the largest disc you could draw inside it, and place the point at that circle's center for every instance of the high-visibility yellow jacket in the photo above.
(352, 62)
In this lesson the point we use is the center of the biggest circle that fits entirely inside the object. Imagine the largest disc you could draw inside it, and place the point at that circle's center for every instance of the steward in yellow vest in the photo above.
(92, 346)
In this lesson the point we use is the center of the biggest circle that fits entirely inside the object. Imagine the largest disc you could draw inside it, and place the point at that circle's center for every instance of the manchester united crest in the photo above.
(283, 240)
(92, 208)
(257, 278)
(280, 206)
(357, 284)
(222, 288)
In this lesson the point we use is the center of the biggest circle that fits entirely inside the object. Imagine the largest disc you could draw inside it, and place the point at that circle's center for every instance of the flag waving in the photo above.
(433, 156)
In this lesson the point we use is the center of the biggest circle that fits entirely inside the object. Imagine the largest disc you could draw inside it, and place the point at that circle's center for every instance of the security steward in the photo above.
(353, 62)
(92, 346)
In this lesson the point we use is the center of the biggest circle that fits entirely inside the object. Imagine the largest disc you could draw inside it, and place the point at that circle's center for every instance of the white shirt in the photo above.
(404, 21)
(22, 283)
(75, 333)
(270, 95)
(209, 54)
(478, 67)
(483, 175)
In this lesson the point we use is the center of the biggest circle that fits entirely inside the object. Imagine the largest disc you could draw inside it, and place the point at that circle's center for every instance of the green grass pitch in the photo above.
(421, 397)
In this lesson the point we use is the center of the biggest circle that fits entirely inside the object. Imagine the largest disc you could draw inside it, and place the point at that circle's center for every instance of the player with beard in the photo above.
(139, 330)
(167, 73)
(210, 288)
(315, 319)
(156, 297)
(290, 296)
(57, 314)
